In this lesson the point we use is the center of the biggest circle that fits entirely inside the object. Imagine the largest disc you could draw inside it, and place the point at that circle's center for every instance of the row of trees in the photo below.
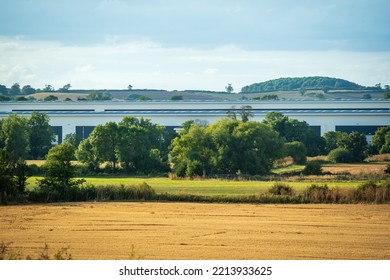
(231, 145)
(137, 145)
(16, 89)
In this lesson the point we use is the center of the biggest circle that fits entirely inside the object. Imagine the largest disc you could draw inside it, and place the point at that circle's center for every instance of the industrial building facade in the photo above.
(81, 117)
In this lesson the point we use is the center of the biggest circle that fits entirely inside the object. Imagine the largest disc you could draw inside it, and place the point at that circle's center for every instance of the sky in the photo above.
(191, 44)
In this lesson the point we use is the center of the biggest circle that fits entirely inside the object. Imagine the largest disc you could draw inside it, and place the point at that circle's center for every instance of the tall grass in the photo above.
(370, 191)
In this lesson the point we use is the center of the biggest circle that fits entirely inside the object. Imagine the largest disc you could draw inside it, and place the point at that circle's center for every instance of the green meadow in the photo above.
(205, 187)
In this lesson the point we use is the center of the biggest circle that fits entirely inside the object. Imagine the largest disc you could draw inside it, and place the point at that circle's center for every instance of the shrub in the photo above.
(297, 150)
(281, 189)
(317, 193)
(176, 97)
(371, 191)
(312, 168)
(340, 155)
(122, 192)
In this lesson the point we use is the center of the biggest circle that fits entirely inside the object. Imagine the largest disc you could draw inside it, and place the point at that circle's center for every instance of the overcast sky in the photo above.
(191, 44)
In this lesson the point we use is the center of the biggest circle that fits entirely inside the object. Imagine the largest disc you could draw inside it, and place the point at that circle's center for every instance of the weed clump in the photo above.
(317, 193)
(373, 192)
(122, 192)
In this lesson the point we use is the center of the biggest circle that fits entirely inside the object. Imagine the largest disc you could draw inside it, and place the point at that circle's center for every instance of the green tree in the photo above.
(226, 156)
(297, 150)
(176, 97)
(48, 88)
(139, 141)
(340, 155)
(259, 146)
(27, 89)
(65, 88)
(4, 98)
(15, 138)
(386, 147)
(85, 154)
(229, 88)
(3, 90)
(15, 89)
(246, 113)
(73, 139)
(59, 172)
(356, 144)
(331, 139)
(379, 138)
(295, 130)
(21, 175)
(190, 154)
(228, 147)
(41, 135)
(50, 98)
(104, 141)
(7, 182)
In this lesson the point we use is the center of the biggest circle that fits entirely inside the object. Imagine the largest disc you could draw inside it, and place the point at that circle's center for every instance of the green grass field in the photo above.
(204, 187)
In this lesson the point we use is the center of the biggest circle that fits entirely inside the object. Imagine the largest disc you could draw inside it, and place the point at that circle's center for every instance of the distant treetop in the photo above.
(303, 83)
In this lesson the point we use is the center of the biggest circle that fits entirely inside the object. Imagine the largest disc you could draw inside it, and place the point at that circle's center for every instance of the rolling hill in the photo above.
(306, 83)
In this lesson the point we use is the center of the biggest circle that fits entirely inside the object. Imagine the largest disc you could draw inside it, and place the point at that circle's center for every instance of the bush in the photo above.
(312, 168)
(297, 150)
(176, 97)
(122, 192)
(317, 193)
(281, 189)
(371, 191)
(340, 155)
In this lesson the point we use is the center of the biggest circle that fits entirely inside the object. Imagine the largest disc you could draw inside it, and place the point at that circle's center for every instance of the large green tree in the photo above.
(15, 89)
(104, 141)
(226, 147)
(15, 137)
(27, 89)
(295, 130)
(379, 139)
(356, 144)
(259, 146)
(86, 154)
(332, 138)
(7, 181)
(191, 154)
(59, 172)
(41, 135)
(141, 145)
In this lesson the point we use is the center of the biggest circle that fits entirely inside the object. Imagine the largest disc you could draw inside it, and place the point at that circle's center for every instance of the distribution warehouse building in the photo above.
(325, 115)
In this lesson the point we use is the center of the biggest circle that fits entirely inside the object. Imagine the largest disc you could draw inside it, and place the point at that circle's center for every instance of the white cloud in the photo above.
(145, 64)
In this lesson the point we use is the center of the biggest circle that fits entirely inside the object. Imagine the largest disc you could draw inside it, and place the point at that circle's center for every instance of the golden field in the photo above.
(151, 230)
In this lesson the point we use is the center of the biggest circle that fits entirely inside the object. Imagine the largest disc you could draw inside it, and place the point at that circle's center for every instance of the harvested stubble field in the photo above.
(199, 231)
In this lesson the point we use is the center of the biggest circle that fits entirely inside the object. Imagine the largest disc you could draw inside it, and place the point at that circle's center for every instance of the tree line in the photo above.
(233, 145)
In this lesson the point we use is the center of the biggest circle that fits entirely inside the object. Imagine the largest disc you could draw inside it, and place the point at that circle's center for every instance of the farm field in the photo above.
(205, 187)
(199, 231)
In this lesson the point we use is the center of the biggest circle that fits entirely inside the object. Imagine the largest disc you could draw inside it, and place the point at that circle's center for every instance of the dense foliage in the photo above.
(295, 130)
(312, 83)
(228, 146)
(136, 144)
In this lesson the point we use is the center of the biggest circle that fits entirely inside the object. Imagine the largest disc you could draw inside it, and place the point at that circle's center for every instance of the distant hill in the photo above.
(307, 83)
